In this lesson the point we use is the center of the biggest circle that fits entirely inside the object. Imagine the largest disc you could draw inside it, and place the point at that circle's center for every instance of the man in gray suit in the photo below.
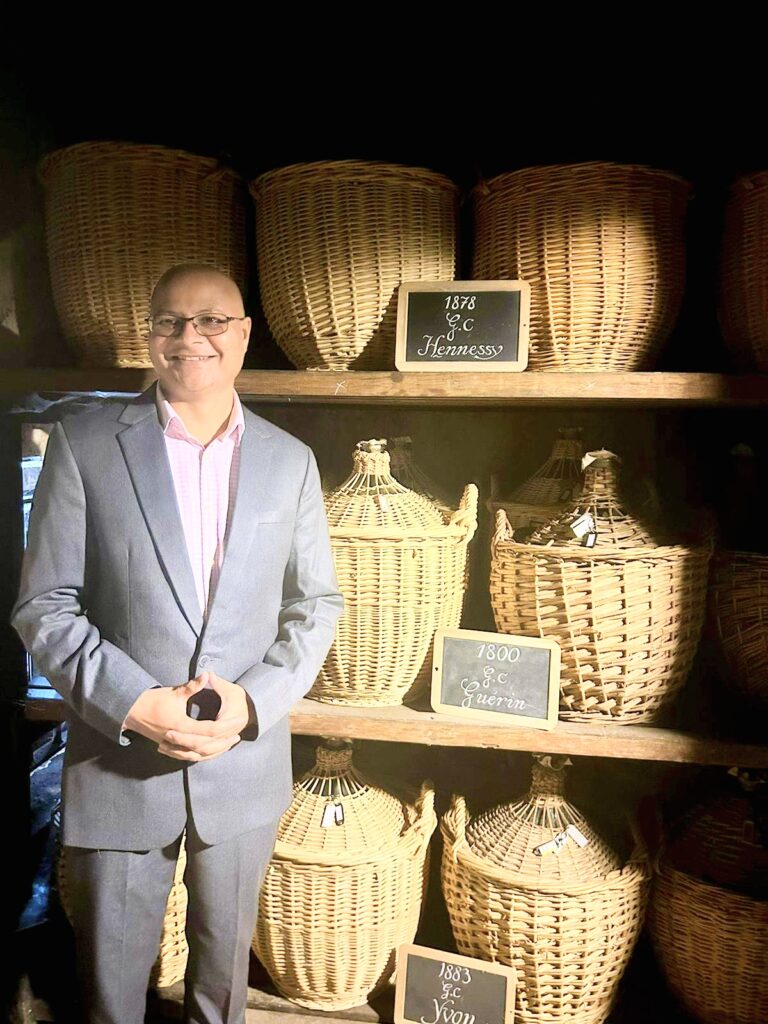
(178, 590)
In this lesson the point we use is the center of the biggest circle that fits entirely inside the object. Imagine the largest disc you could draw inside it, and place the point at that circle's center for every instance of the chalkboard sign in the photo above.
(496, 675)
(434, 987)
(463, 325)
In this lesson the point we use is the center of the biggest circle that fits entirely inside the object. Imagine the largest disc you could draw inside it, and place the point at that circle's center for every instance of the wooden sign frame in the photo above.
(461, 288)
(504, 640)
(454, 959)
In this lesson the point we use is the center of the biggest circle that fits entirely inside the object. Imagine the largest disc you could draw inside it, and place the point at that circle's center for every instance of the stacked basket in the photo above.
(345, 885)
(739, 602)
(531, 885)
(117, 216)
(402, 569)
(172, 957)
(744, 272)
(335, 241)
(626, 611)
(602, 248)
(709, 913)
(548, 492)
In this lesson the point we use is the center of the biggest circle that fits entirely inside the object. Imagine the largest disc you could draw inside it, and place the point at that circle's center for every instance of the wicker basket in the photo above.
(626, 612)
(566, 920)
(403, 572)
(739, 605)
(334, 242)
(724, 838)
(345, 885)
(744, 272)
(171, 960)
(552, 487)
(602, 248)
(117, 216)
(711, 943)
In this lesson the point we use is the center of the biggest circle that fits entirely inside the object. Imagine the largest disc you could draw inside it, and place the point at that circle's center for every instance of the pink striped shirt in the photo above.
(205, 481)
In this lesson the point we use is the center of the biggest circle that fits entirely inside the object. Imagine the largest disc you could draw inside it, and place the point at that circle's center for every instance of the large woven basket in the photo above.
(550, 489)
(345, 884)
(403, 571)
(334, 241)
(626, 612)
(744, 272)
(172, 956)
(602, 248)
(566, 920)
(117, 216)
(739, 605)
(711, 943)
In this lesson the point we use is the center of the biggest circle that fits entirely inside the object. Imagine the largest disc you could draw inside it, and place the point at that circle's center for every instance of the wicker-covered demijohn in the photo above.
(626, 609)
(334, 242)
(402, 568)
(739, 603)
(117, 215)
(743, 305)
(602, 247)
(345, 885)
(550, 489)
(171, 962)
(709, 913)
(532, 885)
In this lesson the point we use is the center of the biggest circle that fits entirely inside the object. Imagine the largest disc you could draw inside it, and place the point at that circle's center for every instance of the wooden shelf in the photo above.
(436, 389)
(405, 725)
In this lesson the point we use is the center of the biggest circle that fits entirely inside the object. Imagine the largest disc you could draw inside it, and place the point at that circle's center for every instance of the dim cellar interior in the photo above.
(452, 497)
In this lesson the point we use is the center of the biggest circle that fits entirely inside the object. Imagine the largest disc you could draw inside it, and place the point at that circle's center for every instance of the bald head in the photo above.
(212, 287)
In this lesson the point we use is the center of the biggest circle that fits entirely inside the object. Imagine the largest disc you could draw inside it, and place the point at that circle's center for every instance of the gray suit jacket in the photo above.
(107, 607)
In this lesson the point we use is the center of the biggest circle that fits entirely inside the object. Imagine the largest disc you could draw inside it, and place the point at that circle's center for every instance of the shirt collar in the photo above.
(173, 425)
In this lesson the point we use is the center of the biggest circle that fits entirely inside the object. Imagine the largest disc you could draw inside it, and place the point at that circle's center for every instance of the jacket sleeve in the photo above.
(98, 680)
(311, 604)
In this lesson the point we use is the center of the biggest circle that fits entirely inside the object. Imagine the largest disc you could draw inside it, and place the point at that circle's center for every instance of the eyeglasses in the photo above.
(206, 324)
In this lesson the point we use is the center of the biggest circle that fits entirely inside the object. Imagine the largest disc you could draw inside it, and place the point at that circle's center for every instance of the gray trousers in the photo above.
(119, 900)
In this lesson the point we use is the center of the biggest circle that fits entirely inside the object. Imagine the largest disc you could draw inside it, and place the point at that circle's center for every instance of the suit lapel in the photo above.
(256, 453)
(143, 447)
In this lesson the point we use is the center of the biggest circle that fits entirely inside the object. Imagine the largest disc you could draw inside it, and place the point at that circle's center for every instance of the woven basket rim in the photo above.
(49, 160)
(728, 555)
(664, 867)
(579, 554)
(589, 167)
(636, 866)
(412, 840)
(342, 170)
(747, 183)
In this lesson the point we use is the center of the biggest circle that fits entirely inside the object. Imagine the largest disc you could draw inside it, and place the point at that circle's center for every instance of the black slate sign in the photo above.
(434, 987)
(493, 675)
(463, 325)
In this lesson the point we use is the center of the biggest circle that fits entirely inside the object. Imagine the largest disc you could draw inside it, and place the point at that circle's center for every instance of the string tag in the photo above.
(577, 836)
(329, 816)
(554, 845)
(583, 526)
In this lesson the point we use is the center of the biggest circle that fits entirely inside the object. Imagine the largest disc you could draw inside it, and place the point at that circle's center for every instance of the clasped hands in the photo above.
(161, 715)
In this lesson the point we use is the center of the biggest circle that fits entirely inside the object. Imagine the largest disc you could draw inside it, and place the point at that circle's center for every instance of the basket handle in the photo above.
(466, 514)
(503, 531)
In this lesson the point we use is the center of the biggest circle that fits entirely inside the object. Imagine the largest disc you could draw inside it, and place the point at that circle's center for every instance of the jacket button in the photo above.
(205, 660)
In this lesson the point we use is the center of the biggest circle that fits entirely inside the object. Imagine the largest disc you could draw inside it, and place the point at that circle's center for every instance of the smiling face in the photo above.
(190, 367)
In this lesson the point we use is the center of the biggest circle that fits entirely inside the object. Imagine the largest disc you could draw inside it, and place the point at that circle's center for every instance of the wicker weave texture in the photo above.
(330, 924)
(744, 272)
(602, 248)
(334, 242)
(399, 586)
(739, 603)
(628, 622)
(711, 944)
(569, 943)
(172, 957)
(117, 216)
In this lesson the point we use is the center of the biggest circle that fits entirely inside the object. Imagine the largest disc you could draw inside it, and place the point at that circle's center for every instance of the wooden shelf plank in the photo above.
(328, 386)
(406, 725)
